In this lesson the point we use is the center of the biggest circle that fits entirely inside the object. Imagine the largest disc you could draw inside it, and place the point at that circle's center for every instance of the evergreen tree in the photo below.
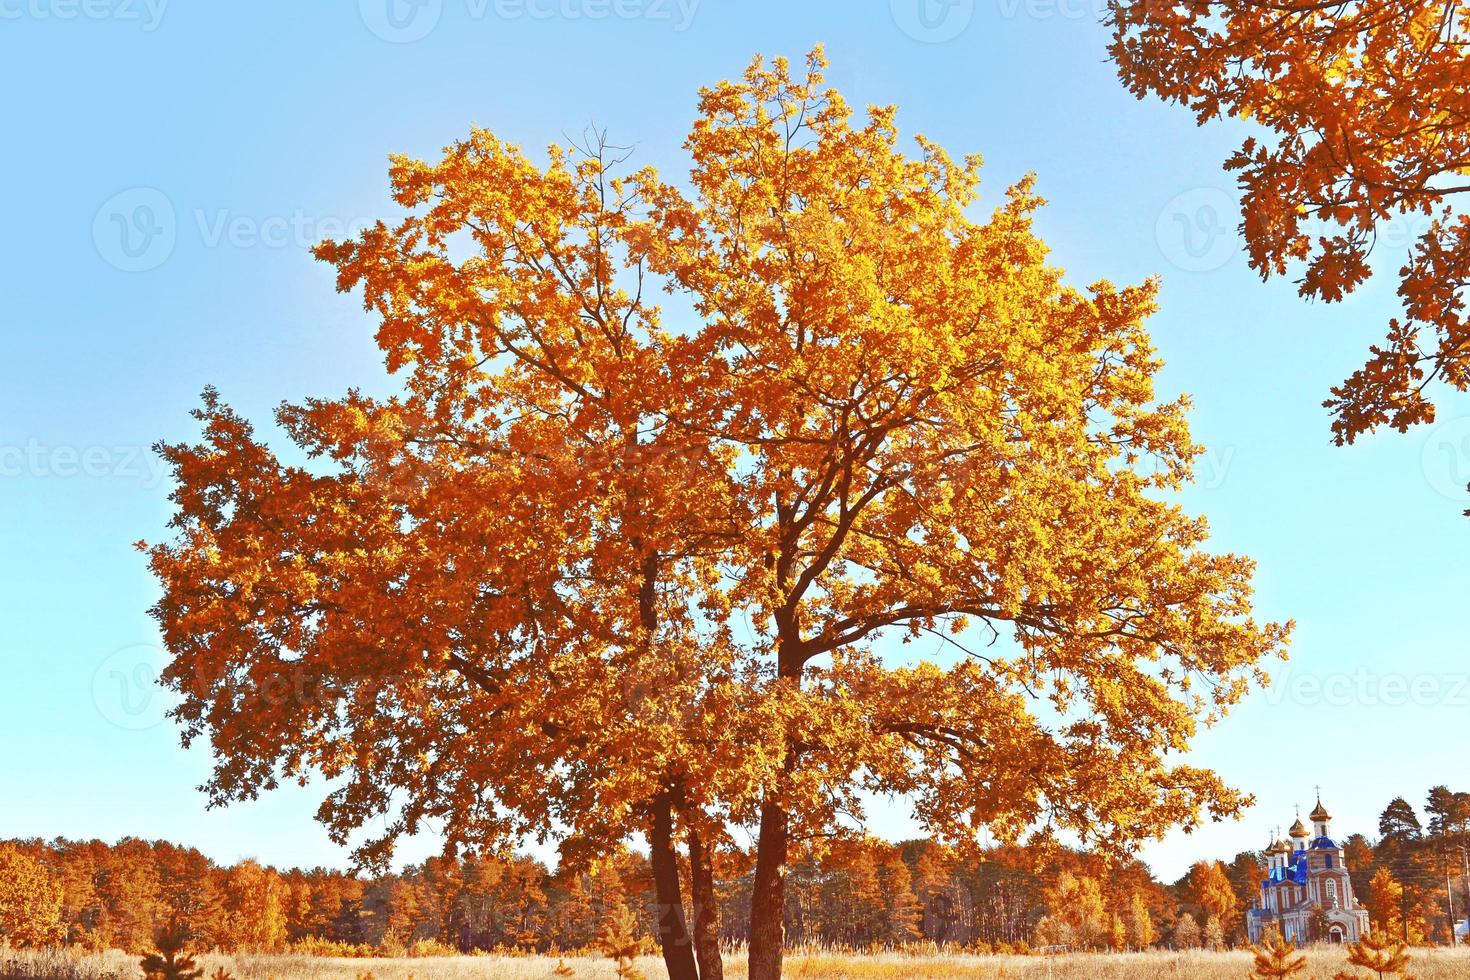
(617, 941)
(1448, 812)
(1380, 954)
(934, 888)
(129, 888)
(574, 922)
(1276, 959)
(902, 912)
(170, 962)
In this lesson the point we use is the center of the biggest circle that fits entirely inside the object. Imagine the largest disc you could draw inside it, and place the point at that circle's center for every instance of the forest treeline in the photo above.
(95, 895)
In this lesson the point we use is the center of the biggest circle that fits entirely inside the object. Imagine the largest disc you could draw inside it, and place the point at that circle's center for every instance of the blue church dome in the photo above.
(1322, 843)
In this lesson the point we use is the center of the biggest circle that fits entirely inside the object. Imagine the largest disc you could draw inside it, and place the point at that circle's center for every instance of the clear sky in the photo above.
(167, 165)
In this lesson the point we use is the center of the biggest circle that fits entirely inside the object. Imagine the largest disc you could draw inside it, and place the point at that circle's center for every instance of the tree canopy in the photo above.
(1367, 120)
(601, 569)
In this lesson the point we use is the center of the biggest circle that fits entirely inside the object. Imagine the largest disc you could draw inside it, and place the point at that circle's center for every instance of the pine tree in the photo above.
(1276, 958)
(1381, 955)
(616, 940)
(933, 885)
(901, 908)
(170, 962)
(128, 886)
(573, 921)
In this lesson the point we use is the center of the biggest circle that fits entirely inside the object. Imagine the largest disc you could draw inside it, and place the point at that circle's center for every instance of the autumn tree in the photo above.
(889, 371)
(1140, 924)
(503, 598)
(254, 904)
(1245, 873)
(129, 890)
(1276, 959)
(1380, 954)
(30, 900)
(902, 913)
(1365, 119)
(1186, 933)
(1075, 912)
(171, 961)
(1212, 936)
(1117, 933)
(1208, 888)
(189, 893)
(1386, 905)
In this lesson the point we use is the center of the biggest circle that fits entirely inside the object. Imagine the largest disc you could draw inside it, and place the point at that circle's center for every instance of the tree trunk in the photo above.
(768, 895)
(706, 910)
(673, 937)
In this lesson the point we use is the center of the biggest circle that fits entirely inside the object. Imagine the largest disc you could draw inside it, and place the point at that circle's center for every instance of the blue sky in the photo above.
(170, 163)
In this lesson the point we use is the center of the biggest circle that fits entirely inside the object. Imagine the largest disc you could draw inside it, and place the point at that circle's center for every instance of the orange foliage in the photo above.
(1367, 109)
(593, 574)
(30, 900)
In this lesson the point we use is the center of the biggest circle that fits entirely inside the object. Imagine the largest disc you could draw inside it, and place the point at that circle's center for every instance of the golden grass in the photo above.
(1428, 964)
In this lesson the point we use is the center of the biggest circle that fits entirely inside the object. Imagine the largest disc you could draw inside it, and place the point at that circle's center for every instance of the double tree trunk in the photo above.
(684, 959)
(673, 936)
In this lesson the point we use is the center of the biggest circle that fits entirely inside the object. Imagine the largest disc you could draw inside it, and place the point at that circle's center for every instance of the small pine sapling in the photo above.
(1378, 954)
(1276, 958)
(616, 940)
(170, 962)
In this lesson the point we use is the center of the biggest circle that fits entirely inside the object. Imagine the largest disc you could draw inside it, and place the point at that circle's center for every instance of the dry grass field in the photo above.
(1429, 964)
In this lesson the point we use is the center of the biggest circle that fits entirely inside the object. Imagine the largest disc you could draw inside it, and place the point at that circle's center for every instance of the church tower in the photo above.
(1307, 895)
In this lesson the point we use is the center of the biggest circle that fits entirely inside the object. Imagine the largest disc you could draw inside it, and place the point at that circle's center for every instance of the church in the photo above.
(1307, 895)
